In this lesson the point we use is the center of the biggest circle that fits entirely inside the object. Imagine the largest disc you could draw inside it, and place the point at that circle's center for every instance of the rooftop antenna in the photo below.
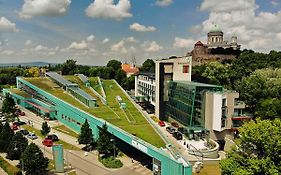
(134, 61)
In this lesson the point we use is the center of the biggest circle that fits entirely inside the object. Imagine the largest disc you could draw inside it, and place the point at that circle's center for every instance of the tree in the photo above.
(116, 65)
(69, 67)
(86, 135)
(258, 150)
(9, 105)
(129, 83)
(269, 108)
(120, 76)
(17, 146)
(148, 66)
(260, 85)
(45, 128)
(5, 137)
(33, 161)
(1, 127)
(105, 146)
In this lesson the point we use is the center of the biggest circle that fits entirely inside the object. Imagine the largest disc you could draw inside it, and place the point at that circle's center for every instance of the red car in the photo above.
(161, 123)
(47, 142)
(15, 126)
(22, 113)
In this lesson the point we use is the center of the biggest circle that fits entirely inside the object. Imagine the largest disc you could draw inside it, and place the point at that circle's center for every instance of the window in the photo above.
(185, 69)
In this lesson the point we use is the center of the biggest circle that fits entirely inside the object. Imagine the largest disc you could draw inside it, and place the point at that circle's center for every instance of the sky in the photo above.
(96, 31)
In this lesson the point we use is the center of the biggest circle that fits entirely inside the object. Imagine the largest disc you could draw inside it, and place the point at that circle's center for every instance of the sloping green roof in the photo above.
(215, 28)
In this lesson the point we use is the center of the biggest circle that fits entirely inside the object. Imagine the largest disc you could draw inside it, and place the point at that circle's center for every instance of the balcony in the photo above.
(242, 116)
(239, 119)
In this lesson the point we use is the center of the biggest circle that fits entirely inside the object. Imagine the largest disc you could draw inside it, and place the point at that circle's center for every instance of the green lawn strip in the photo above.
(38, 133)
(72, 173)
(112, 90)
(66, 130)
(213, 169)
(95, 84)
(51, 165)
(146, 133)
(7, 167)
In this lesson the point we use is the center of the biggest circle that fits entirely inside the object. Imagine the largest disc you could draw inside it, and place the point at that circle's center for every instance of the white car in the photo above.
(3, 119)
(31, 136)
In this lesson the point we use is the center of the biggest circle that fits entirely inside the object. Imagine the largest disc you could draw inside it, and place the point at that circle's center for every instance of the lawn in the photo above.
(213, 169)
(95, 84)
(7, 167)
(111, 113)
(38, 133)
(66, 130)
(20, 93)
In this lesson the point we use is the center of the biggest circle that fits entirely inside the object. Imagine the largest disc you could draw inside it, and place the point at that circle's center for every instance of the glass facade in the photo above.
(186, 102)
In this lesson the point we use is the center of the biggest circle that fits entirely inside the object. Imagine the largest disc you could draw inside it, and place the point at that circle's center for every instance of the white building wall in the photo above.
(178, 74)
(217, 111)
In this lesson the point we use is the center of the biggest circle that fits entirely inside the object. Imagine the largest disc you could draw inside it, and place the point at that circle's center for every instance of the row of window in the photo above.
(64, 117)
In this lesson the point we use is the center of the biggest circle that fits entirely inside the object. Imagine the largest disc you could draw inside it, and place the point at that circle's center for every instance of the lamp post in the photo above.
(113, 140)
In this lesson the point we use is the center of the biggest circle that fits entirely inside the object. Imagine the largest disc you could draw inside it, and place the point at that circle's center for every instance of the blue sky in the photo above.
(93, 32)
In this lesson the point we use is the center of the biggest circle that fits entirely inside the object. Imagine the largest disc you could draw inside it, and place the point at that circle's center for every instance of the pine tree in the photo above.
(45, 128)
(105, 146)
(86, 135)
(1, 127)
(9, 105)
(5, 137)
(17, 146)
(33, 161)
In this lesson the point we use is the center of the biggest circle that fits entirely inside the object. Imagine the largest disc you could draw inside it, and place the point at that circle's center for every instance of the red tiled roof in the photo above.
(129, 69)
(199, 43)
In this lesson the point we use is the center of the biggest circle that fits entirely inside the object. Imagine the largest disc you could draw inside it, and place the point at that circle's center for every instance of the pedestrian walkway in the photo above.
(2, 172)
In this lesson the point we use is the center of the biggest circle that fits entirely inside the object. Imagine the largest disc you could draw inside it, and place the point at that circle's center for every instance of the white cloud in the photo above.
(106, 40)
(141, 28)
(40, 48)
(109, 10)
(256, 29)
(119, 47)
(28, 42)
(91, 38)
(7, 26)
(151, 46)
(183, 43)
(228, 5)
(32, 8)
(131, 39)
(79, 46)
(274, 3)
(8, 52)
(163, 3)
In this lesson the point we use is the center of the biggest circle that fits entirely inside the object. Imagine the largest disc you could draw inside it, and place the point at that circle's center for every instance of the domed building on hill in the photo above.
(216, 48)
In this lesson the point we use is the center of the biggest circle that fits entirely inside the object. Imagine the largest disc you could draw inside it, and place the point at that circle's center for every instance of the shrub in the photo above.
(110, 162)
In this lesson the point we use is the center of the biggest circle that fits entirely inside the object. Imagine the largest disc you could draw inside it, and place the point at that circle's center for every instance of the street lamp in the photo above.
(113, 140)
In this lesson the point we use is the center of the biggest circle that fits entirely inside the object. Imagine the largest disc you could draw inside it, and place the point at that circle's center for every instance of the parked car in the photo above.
(15, 126)
(19, 123)
(177, 135)
(22, 113)
(183, 130)
(47, 142)
(52, 137)
(170, 130)
(23, 131)
(3, 119)
(161, 123)
(88, 148)
(31, 136)
(175, 124)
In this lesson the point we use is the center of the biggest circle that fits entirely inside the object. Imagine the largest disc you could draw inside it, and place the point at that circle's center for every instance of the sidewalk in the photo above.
(2, 172)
